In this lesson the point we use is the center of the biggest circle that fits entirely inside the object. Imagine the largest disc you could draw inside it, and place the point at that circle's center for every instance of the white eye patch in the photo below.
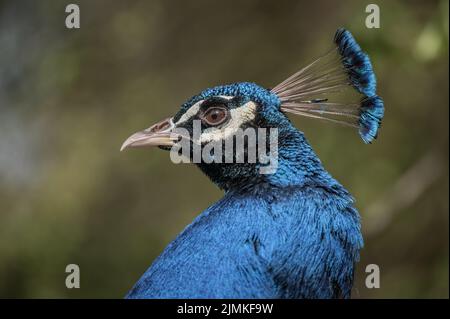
(238, 117)
(193, 110)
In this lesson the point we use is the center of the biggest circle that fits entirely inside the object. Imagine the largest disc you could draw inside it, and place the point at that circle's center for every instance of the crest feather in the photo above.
(309, 91)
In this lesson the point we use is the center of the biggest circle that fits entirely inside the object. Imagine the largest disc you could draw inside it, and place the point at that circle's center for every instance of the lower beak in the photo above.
(159, 134)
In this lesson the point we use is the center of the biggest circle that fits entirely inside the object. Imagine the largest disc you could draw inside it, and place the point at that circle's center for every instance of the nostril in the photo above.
(153, 129)
(161, 126)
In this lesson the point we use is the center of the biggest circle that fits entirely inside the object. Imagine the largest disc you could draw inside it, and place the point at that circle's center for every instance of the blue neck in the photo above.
(298, 165)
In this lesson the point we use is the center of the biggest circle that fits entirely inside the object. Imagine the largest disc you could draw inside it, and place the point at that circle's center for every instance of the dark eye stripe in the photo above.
(229, 102)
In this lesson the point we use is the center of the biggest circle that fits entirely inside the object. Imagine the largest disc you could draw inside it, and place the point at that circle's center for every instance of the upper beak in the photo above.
(159, 134)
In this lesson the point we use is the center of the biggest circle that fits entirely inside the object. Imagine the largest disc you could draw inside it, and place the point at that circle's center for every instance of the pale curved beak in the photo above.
(159, 134)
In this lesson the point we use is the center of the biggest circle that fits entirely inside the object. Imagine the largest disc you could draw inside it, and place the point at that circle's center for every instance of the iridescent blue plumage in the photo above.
(297, 242)
(359, 69)
(245, 89)
(356, 63)
(293, 233)
(372, 111)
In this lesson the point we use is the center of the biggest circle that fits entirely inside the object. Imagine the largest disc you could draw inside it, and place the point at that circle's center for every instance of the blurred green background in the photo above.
(69, 98)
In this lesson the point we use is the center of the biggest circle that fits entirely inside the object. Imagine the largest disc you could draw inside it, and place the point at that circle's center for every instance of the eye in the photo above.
(215, 115)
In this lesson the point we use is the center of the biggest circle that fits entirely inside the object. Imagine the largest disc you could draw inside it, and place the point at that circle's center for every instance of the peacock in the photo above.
(292, 232)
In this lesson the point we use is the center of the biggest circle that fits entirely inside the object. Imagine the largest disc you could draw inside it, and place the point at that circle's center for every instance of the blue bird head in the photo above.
(217, 113)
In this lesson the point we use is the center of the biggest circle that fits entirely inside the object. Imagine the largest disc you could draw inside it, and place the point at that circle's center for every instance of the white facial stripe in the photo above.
(190, 112)
(193, 110)
(239, 116)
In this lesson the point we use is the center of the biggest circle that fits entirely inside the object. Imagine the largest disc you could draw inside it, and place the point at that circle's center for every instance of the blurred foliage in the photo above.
(68, 99)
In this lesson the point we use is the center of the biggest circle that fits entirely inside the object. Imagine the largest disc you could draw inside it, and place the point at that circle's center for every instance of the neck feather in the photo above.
(297, 165)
